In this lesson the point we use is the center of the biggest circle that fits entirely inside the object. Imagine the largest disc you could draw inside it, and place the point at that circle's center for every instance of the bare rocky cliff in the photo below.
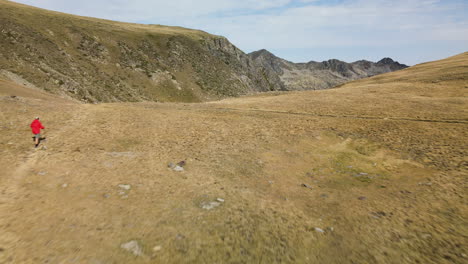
(321, 75)
(96, 60)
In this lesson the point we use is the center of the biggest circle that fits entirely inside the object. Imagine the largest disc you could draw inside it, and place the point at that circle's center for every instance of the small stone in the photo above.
(330, 228)
(323, 195)
(125, 186)
(220, 200)
(362, 198)
(426, 236)
(425, 183)
(210, 205)
(319, 230)
(270, 182)
(133, 247)
(181, 163)
(157, 248)
(65, 185)
(306, 186)
(363, 173)
(106, 195)
(171, 165)
(178, 168)
(42, 173)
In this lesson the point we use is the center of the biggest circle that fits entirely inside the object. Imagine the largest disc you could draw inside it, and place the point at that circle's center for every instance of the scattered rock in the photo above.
(181, 163)
(133, 247)
(363, 173)
(125, 186)
(330, 228)
(209, 205)
(319, 230)
(306, 186)
(425, 183)
(171, 165)
(178, 168)
(426, 236)
(65, 185)
(378, 214)
(157, 248)
(221, 200)
(362, 198)
(270, 182)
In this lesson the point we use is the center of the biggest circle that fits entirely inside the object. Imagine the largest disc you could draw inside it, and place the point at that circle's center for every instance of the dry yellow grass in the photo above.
(383, 162)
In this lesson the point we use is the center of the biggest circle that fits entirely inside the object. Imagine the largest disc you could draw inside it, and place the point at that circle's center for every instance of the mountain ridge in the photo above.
(315, 75)
(96, 60)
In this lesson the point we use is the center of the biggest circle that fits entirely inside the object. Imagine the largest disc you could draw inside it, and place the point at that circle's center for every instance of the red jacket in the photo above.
(36, 126)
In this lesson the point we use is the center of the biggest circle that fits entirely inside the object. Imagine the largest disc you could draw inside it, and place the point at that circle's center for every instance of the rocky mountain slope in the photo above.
(96, 60)
(321, 75)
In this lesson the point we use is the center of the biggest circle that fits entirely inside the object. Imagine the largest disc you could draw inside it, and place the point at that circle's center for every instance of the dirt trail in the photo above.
(13, 185)
(450, 121)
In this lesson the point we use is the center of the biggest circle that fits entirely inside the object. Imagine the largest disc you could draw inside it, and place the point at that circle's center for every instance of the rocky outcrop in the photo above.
(96, 60)
(321, 75)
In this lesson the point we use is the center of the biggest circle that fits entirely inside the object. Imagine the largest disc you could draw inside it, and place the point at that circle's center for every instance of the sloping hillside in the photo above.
(321, 75)
(372, 172)
(97, 60)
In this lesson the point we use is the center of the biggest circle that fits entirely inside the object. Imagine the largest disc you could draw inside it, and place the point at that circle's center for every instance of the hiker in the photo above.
(36, 127)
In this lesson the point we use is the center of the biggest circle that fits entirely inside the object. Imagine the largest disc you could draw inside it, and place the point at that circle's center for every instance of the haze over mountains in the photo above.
(96, 60)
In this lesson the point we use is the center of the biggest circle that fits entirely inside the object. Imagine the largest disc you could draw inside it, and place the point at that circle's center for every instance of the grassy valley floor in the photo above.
(372, 172)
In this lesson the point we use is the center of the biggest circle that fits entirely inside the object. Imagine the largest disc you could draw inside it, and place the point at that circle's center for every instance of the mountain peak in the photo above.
(386, 61)
(263, 53)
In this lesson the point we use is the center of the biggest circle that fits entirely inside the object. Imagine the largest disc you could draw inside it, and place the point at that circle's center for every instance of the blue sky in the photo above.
(409, 31)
